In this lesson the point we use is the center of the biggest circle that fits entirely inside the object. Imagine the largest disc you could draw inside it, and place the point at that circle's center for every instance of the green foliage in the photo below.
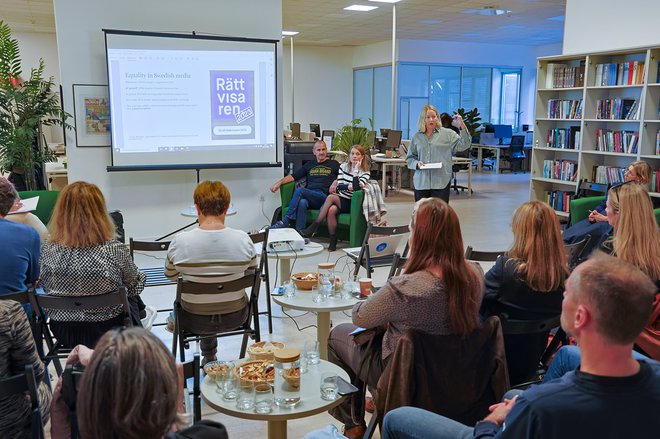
(352, 134)
(471, 119)
(24, 108)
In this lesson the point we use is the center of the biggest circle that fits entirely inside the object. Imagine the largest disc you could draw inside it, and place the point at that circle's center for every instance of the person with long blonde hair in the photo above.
(353, 176)
(82, 258)
(527, 282)
(439, 294)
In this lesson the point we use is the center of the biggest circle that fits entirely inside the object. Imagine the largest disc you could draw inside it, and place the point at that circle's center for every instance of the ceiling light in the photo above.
(290, 33)
(360, 8)
(385, 1)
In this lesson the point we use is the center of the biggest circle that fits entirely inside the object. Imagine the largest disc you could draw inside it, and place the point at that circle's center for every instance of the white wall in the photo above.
(323, 92)
(151, 201)
(34, 46)
(602, 25)
(373, 54)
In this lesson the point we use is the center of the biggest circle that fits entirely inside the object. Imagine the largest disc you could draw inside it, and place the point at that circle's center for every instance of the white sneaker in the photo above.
(148, 321)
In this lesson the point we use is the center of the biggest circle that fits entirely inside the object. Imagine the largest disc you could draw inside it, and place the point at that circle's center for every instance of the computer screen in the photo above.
(503, 132)
(316, 129)
(384, 132)
(393, 139)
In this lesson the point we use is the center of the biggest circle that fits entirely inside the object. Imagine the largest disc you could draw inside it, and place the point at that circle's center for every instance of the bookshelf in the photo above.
(591, 141)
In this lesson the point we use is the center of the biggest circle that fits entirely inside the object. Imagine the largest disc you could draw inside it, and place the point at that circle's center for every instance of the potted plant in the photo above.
(25, 106)
(351, 134)
(471, 119)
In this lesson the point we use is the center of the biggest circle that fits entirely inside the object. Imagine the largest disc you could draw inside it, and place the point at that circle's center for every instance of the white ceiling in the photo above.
(325, 23)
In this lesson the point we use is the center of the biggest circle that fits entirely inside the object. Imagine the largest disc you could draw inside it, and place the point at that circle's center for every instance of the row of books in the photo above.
(625, 73)
(565, 170)
(564, 109)
(657, 143)
(655, 181)
(563, 76)
(617, 141)
(607, 174)
(559, 200)
(617, 109)
(564, 138)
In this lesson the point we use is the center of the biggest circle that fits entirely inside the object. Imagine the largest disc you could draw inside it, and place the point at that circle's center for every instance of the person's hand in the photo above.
(275, 187)
(595, 216)
(333, 187)
(80, 354)
(499, 412)
(17, 205)
(460, 121)
(420, 164)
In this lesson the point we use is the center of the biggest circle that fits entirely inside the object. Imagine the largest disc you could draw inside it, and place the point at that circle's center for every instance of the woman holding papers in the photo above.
(430, 154)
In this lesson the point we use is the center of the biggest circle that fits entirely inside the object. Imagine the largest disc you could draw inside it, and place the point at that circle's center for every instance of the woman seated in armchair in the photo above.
(353, 176)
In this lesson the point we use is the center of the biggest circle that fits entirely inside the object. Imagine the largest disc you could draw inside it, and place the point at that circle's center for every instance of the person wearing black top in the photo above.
(606, 304)
(320, 174)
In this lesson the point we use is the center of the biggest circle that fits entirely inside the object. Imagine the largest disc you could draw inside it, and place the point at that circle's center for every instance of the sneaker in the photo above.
(279, 225)
(148, 321)
(170, 324)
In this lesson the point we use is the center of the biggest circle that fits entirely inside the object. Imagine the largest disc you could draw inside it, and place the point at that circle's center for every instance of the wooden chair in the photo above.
(262, 238)
(475, 255)
(22, 384)
(364, 258)
(191, 370)
(182, 337)
(57, 350)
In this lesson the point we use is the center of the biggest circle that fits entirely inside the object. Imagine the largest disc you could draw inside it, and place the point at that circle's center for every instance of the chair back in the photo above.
(147, 246)
(364, 258)
(574, 252)
(21, 297)
(587, 188)
(527, 327)
(516, 149)
(248, 280)
(191, 370)
(475, 255)
(19, 385)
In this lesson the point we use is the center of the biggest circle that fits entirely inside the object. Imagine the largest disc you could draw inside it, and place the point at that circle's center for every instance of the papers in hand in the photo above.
(432, 165)
(29, 204)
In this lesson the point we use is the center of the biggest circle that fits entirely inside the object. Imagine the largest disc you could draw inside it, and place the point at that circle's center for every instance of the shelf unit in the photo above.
(586, 154)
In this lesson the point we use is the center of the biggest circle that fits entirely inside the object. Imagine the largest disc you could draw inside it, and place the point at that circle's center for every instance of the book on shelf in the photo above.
(655, 181)
(564, 170)
(624, 73)
(563, 76)
(565, 108)
(608, 174)
(559, 200)
(617, 141)
(657, 143)
(564, 138)
(617, 109)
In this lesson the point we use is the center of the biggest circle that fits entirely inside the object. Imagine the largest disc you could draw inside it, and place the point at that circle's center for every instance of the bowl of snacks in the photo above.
(292, 377)
(305, 280)
(264, 350)
(256, 371)
(216, 370)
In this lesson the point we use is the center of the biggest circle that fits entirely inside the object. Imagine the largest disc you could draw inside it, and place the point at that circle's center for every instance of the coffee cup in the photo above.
(388, 153)
(365, 286)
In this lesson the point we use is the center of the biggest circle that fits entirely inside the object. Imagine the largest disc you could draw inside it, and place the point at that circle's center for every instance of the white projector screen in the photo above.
(191, 101)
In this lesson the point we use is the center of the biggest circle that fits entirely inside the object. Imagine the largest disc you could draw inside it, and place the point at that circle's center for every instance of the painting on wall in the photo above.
(92, 115)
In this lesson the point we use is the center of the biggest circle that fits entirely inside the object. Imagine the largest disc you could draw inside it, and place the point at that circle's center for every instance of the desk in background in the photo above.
(385, 162)
(57, 175)
(498, 152)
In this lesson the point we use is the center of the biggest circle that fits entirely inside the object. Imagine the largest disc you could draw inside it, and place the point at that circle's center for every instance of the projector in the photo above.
(281, 240)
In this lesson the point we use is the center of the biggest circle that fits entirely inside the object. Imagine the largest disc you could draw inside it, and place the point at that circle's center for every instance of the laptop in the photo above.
(380, 246)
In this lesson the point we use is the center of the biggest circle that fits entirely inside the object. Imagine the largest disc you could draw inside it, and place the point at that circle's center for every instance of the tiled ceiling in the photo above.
(326, 23)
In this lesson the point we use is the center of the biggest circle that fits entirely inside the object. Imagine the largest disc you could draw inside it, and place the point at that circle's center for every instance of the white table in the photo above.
(310, 404)
(303, 301)
(284, 257)
(385, 162)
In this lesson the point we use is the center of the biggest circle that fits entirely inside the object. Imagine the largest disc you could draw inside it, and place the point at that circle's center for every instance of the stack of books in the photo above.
(655, 181)
(564, 138)
(563, 76)
(608, 174)
(625, 73)
(565, 170)
(617, 109)
(564, 109)
(617, 141)
(559, 200)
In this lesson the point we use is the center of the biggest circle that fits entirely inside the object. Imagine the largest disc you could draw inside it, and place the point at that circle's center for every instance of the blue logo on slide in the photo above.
(382, 246)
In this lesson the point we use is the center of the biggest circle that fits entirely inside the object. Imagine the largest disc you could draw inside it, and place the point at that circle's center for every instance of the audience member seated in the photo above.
(612, 395)
(129, 390)
(83, 258)
(439, 294)
(21, 246)
(596, 224)
(212, 252)
(17, 349)
(353, 176)
(527, 283)
(320, 174)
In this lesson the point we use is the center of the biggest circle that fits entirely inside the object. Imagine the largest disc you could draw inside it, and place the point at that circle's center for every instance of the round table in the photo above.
(303, 301)
(310, 249)
(310, 404)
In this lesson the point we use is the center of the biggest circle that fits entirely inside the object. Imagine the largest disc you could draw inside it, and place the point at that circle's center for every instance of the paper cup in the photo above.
(365, 286)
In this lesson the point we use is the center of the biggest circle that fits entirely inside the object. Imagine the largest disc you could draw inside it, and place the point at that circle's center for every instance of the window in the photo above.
(510, 99)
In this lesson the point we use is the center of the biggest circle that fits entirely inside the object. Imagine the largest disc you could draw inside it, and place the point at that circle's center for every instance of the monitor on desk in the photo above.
(295, 130)
(384, 132)
(316, 129)
(503, 132)
(393, 139)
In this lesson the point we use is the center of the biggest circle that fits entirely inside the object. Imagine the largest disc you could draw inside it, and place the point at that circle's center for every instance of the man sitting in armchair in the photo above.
(320, 174)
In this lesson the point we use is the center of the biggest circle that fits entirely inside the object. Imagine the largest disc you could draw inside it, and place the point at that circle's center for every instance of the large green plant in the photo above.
(471, 119)
(25, 106)
(351, 134)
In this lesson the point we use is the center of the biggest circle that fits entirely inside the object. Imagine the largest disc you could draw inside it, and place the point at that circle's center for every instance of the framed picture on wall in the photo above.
(91, 112)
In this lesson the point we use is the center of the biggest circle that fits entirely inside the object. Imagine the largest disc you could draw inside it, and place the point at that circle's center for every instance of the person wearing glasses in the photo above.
(596, 224)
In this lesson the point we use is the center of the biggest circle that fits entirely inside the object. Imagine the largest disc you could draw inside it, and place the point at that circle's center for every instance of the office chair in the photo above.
(457, 167)
(515, 153)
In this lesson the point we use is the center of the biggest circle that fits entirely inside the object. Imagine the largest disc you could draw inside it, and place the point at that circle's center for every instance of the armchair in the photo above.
(351, 226)
(47, 200)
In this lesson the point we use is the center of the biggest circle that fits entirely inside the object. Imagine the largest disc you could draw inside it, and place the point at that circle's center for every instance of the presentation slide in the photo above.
(187, 101)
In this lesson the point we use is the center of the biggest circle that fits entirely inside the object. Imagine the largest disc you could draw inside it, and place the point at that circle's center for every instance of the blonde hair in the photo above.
(364, 165)
(421, 123)
(80, 217)
(212, 198)
(436, 240)
(538, 247)
(636, 236)
(643, 171)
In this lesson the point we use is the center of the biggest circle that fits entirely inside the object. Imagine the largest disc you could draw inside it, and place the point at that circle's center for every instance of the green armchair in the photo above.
(580, 208)
(47, 200)
(351, 226)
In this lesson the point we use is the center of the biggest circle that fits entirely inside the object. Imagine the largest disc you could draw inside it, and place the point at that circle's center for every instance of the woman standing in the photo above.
(353, 176)
(439, 294)
(83, 258)
(431, 145)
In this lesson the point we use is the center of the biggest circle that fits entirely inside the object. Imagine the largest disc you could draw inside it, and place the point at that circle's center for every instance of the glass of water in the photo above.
(312, 351)
(289, 289)
(263, 398)
(317, 294)
(329, 386)
(230, 387)
(245, 399)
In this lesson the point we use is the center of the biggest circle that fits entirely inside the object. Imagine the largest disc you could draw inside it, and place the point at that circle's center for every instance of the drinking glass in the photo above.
(263, 398)
(329, 386)
(312, 351)
(317, 294)
(230, 387)
(245, 399)
(289, 289)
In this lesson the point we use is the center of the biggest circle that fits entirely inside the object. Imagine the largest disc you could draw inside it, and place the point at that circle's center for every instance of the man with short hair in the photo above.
(320, 174)
(21, 246)
(606, 304)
